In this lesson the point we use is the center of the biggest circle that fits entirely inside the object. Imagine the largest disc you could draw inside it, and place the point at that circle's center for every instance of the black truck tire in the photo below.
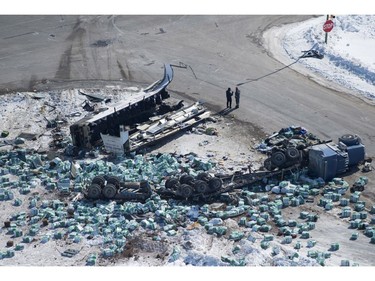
(215, 184)
(114, 180)
(268, 164)
(349, 139)
(185, 191)
(94, 191)
(186, 179)
(171, 183)
(292, 153)
(200, 186)
(278, 158)
(99, 180)
(203, 176)
(109, 191)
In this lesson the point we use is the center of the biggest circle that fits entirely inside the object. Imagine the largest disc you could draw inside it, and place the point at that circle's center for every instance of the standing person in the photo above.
(229, 97)
(237, 97)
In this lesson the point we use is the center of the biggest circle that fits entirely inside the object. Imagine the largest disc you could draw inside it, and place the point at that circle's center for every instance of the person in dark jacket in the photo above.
(229, 97)
(237, 97)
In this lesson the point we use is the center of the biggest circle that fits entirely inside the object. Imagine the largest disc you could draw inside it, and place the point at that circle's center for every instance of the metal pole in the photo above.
(326, 32)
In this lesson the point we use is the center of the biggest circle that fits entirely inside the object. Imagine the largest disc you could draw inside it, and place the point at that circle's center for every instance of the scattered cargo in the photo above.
(149, 195)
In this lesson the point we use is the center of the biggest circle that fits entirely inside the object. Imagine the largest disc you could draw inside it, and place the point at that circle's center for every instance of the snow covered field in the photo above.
(348, 62)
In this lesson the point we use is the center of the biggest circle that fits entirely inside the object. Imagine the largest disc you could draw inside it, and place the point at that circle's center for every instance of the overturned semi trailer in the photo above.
(85, 133)
(156, 129)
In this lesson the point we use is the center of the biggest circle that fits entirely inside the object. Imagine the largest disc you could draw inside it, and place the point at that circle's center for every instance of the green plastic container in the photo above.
(312, 254)
(345, 213)
(303, 215)
(354, 236)
(345, 263)
(327, 255)
(287, 240)
(344, 202)
(236, 235)
(19, 247)
(268, 237)
(311, 243)
(335, 247)
(264, 244)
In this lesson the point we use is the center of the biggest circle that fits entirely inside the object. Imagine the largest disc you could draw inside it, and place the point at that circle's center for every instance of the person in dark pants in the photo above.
(229, 97)
(237, 97)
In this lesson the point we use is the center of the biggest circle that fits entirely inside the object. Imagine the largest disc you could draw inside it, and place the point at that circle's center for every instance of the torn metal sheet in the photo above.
(28, 136)
(37, 96)
(94, 97)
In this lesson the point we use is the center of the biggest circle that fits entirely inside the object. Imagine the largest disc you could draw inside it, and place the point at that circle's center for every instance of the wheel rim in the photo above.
(99, 180)
(171, 183)
(109, 191)
(94, 191)
(278, 158)
(215, 184)
(292, 153)
(202, 176)
(114, 180)
(185, 179)
(201, 186)
(185, 190)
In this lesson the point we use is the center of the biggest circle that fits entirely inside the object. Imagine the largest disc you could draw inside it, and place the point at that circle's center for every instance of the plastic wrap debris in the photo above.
(345, 212)
(312, 254)
(354, 198)
(236, 249)
(264, 244)
(287, 240)
(216, 221)
(19, 247)
(91, 260)
(233, 261)
(369, 232)
(236, 235)
(311, 243)
(218, 230)
(175, 255)
(27, 239)
(359, 207)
